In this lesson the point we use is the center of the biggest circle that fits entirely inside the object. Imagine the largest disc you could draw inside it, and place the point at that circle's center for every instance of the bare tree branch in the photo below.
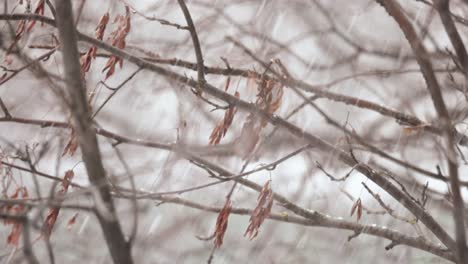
(394, 9)
(81, 116)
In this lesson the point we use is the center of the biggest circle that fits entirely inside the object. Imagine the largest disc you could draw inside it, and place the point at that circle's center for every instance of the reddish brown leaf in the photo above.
(50, 221)
(15, 234)
(222, 223)
(118, 40)
(85, 59)
(17, 227)
(72, 145)
(101, 27)
(221, 128)
(72, 221)
(357, 205)
(54, 212)
(268, 98)
(261, 211)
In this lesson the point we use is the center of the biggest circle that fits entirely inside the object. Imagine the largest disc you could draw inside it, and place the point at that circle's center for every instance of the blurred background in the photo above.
(351, 48)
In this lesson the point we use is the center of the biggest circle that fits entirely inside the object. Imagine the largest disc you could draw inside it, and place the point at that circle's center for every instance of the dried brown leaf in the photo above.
(15, 234)
(221, 128)
(357, 205)
(54, 212)
(85, 59)
(261, 211)
(118, 40)
(72, 221)
(101, 27)
(17, 227)
(72, 144)
(222, 223)
(50, 221)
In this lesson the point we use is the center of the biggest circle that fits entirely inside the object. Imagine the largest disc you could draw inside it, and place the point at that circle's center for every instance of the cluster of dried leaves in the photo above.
(54, 212)
(261, 211)
(259, 214)
(221, 128)
(118, 40)
(269, 97)
(86, 58)
(17, 209)
(26, 26)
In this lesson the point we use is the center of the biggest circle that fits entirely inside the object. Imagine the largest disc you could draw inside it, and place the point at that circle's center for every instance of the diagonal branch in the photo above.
(444, 12)
(81, 118)
(422, 57)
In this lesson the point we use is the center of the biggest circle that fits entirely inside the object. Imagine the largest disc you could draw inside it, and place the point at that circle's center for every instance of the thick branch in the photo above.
(444, 12)
(81, 117)
(394, 9)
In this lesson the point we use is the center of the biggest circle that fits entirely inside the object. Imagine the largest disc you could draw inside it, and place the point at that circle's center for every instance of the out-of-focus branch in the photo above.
(120, 250)
(444, 12)
(395, 10)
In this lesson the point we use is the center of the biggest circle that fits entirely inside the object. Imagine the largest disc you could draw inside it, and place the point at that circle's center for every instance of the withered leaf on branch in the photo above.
(261, 211)
(118, 40)
(357, 205)
(269, 97)
(222, 223)
(72, 221)
(101, 27)
(221, 128)
(17, 209)
(54, 212)
(85, 60)
(72, 144)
